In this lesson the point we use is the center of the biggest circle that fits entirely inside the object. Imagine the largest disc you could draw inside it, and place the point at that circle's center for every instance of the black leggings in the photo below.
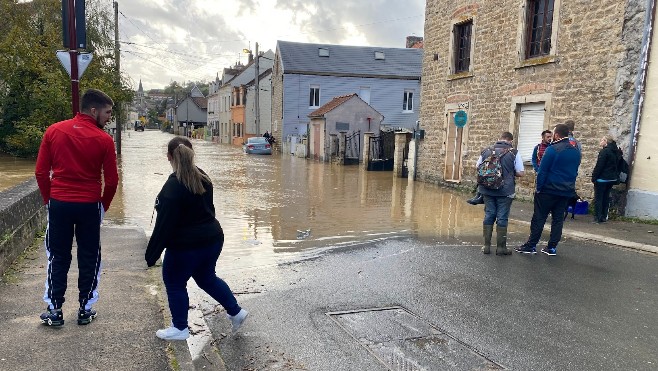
(602, 200)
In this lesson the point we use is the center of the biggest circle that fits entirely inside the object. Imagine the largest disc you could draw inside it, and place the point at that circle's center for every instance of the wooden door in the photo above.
(453, 145)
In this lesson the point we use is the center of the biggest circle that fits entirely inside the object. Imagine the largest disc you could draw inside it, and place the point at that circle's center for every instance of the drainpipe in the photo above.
(638, 98)
(416, 130)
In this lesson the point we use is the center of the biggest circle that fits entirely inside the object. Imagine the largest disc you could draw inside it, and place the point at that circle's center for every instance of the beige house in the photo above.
(642, 201)
(345, 113)
(524, 66)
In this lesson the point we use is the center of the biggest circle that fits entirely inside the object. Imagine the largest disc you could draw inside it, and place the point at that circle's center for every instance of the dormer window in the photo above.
(379, 56)
(323, 52)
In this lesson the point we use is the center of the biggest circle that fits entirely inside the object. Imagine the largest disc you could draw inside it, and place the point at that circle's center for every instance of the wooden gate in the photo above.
(352, 148)
(382, 151)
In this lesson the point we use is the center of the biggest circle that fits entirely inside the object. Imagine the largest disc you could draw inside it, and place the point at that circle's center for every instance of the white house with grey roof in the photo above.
(307, 76)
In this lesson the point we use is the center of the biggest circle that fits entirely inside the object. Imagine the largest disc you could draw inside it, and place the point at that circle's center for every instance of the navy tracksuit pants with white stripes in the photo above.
(65, 220)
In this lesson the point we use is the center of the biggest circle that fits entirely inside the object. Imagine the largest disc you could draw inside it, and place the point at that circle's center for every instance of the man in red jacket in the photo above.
(75, 159)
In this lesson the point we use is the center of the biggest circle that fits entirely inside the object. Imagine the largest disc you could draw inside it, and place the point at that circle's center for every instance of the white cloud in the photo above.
(182, 40)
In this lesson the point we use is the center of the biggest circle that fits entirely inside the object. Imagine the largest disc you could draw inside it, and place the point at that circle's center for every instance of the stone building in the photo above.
(524, 66)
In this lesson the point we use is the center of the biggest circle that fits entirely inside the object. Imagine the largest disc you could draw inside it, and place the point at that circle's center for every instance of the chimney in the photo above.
(412, 40)
(251, 57)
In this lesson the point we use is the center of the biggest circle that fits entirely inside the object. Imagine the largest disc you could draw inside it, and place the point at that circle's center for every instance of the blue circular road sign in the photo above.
(460, 118)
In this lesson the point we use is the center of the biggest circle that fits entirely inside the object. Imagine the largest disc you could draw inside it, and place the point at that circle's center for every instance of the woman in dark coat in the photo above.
(186, 227)
(604, 176)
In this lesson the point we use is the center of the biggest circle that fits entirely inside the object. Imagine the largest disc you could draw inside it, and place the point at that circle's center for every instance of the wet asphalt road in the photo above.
(593, 307)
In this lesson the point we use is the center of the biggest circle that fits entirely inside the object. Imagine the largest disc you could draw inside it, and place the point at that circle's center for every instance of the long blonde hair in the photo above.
(182, 161)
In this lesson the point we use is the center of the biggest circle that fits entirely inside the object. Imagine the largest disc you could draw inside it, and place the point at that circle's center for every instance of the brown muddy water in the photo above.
(271, 206)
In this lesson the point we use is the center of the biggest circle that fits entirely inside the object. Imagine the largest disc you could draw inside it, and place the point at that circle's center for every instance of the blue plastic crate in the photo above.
(582, 207)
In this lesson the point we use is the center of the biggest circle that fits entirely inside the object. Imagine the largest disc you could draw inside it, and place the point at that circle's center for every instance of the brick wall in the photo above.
(22, 215)
(586, 78)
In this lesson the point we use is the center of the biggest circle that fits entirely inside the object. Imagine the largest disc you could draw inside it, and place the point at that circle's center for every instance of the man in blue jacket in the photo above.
(556, 184)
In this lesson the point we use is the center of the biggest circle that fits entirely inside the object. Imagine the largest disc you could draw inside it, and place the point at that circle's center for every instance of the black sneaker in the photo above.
(85, 316)
(525, 249)
(478, 199)
(52, 317)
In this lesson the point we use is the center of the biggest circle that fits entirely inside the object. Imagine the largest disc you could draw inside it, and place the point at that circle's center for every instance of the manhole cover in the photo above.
(402, 341)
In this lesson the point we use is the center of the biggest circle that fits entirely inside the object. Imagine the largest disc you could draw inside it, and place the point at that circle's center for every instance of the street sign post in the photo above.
(74, 37)
(78, 20)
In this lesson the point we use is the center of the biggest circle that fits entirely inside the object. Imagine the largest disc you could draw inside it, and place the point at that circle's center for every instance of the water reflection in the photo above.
(14, 170)
(263, 201)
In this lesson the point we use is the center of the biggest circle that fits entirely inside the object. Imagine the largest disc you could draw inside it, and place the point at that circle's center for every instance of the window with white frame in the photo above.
(364, 93)
(408, 101)
(314, 96)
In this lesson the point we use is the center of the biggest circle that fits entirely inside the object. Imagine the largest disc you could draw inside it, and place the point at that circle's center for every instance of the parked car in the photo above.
(257, 146)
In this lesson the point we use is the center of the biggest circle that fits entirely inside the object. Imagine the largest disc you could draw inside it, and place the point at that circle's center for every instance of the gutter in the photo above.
(640, 81)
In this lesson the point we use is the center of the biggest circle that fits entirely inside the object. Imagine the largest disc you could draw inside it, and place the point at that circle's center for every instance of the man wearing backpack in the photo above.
(497, 168)
(556, 184)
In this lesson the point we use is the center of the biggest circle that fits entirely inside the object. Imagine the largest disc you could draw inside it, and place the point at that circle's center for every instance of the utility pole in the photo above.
(117, 56)
(257, 108)
(73, 54)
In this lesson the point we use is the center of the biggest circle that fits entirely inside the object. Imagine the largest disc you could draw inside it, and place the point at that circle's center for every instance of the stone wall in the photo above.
(22, 216)
(582, 79)
(277, 103)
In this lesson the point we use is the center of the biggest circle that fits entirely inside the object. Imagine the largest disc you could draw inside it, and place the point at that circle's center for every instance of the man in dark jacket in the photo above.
(556, 184)
(497, 202)
(604, 176)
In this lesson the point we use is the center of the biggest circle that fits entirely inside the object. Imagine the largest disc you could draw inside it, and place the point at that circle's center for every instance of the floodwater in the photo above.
(274, 206)
(14, 170)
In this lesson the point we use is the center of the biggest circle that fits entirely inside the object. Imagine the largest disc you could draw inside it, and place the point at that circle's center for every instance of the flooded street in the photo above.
(272, 206)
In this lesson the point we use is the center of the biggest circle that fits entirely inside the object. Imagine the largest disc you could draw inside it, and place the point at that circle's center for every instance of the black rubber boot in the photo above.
(487, 231)
(501, 241)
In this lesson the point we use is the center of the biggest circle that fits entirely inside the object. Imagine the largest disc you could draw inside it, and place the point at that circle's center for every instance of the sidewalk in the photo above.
(638, 236)
(121, 338)
(131, 306)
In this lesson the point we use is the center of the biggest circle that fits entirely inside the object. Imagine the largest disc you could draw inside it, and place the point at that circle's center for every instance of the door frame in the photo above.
(450, 110)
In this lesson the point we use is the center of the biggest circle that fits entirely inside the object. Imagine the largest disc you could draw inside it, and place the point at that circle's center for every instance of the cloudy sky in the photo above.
(193, 40)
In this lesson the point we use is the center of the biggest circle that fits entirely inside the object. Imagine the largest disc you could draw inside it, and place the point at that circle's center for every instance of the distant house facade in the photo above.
(307, 76)
(191, 112)
(224, 95)
(523, 67)
(234, 93)
(213, 108)
(347, 113)
(264, 111)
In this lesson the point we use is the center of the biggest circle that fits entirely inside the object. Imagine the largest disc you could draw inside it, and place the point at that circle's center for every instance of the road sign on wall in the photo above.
(460, 118)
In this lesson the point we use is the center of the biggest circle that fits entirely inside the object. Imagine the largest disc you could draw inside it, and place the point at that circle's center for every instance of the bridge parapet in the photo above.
(22, 216)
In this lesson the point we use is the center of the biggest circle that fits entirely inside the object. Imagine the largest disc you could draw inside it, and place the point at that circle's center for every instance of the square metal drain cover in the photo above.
(402, 341)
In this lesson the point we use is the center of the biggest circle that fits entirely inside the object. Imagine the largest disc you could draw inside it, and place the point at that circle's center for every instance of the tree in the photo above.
(34, 88)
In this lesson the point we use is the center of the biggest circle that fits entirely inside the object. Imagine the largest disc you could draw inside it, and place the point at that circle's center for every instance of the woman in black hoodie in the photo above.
(604, 176)
(186, 227)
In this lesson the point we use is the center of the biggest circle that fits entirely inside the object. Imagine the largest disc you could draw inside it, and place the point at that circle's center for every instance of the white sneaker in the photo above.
(172, 333)
(238, 319)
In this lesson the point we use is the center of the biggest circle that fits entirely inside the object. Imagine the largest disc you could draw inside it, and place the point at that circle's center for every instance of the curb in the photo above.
(595, 237)
(206, 355)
